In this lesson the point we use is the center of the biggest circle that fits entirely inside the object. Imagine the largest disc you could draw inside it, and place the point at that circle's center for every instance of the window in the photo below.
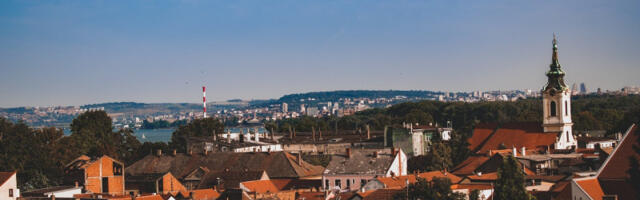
(348, 183)
(10, 192)
(117, 169)
(567, 136)
(553, 108)
(105, 185)
(338, 184)
(566, 108)
(326, 184)
(363, 182)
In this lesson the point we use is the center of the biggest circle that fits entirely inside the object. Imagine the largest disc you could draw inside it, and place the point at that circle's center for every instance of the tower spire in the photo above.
(555, 74)
(554, 57)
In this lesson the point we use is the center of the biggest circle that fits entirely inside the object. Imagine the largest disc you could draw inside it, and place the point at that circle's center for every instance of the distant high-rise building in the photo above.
(583, 88)
(574, 89)
(285, 107)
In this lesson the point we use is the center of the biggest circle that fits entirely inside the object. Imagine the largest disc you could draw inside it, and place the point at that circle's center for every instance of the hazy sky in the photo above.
(80, 52)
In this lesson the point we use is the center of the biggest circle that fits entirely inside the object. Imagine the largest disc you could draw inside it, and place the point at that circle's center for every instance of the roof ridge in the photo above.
(479, 146)
(604, 164)
(10, 175)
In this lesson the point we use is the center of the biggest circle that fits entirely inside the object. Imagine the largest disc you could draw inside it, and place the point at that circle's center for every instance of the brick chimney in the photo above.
(348, 152)
(159, 152)
(190, 152)
(175, 152)
(375, 154)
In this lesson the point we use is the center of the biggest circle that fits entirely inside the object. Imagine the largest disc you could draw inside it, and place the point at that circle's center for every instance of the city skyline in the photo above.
(75, 53)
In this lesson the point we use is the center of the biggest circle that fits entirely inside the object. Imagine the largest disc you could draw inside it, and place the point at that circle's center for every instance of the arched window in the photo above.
(566, 108)
(553, 108)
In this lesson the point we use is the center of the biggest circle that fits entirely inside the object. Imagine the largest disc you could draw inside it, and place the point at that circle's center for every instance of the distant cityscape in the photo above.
(239, 113)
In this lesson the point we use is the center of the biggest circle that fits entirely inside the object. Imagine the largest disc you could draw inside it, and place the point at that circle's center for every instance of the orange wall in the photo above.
(168, 181)
(103, 167)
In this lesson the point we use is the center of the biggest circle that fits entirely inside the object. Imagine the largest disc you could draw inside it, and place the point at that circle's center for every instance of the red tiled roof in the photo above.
(379, 194)
(617, 165)
(468, 166)
(472, 186)
(484, 177)
(205, 194)
(320, 195)
(527, 134)
(401, 181)
(591, 187)
(4, 176)
(265, 186)
(480, 133)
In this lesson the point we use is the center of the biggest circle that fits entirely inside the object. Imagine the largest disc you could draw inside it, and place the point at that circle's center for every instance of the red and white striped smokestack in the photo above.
(204, 101)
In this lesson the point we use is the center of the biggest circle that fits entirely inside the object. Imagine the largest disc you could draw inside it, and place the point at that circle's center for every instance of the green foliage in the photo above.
(436, 189)
(39, 155)
(196, 128)
(510, 184)
(474, 195)
(33, 153)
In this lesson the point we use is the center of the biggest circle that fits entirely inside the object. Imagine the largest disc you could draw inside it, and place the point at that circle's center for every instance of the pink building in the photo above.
(356, 167)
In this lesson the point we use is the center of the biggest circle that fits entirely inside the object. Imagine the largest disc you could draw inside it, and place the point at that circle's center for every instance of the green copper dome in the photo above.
(555, 74)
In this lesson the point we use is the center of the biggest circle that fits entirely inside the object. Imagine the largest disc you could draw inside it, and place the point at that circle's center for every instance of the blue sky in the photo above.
(80, 52)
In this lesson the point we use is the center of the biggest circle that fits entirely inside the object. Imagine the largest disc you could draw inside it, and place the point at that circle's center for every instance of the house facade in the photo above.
(9, 186)
(103, 175)
(352, 170)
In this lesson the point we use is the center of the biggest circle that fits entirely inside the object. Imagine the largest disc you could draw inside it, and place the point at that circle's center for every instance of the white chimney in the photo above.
(257, 135)
(515, 151)
(524, 151)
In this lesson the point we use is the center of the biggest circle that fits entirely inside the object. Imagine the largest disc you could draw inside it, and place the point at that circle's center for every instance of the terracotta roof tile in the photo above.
(480, 133)
(379, 194)
(618, 164)
(468, 166)
(4, 176)
(592, 187)
(401, 181)
(484, 177)
(527, 134)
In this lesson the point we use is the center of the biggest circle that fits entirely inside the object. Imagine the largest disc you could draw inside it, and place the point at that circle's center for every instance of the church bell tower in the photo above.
(556, 103)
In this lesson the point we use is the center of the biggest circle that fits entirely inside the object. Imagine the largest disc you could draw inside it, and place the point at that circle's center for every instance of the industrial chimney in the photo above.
(204, 101)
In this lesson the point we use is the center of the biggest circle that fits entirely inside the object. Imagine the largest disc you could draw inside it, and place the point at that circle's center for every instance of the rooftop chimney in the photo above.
(257, 135)
(159, 152)
(514, 152)
(368, 132)
(375, 154)
(190, 152)
(77, 184)
(175, 152)
(300, 158)
(348, 152)
(205, 152)
(524, 151)
(229, 137)
(393, 151)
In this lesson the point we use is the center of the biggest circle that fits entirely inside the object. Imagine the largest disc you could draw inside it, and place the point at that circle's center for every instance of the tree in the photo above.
(436, 189)
(511, 182)
(197, 128)
(474, 195)
(439, 156)
(93, 134)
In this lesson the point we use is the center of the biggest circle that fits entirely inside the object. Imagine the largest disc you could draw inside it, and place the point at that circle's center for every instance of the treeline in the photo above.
(39, 155)
(335, 95)
(162, 124)
(610, 113)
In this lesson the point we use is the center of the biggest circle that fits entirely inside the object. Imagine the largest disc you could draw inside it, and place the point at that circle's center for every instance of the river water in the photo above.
(163, 134)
